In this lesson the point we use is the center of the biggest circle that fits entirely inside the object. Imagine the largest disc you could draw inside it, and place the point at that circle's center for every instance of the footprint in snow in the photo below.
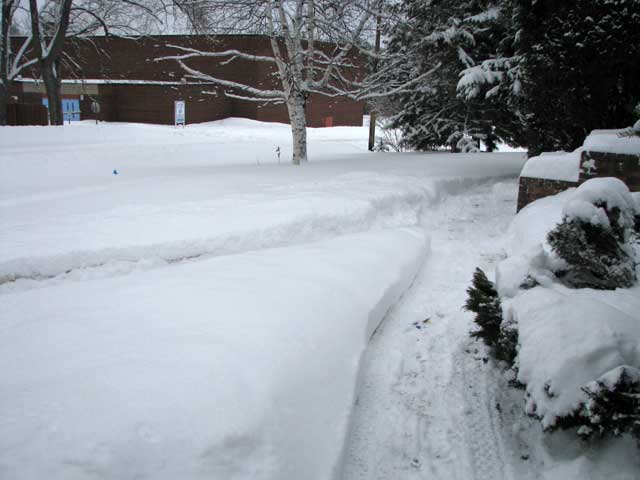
(423, 323)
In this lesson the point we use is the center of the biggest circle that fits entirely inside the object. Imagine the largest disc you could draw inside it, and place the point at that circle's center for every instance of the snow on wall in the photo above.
(206, 369)
(610, 141)
(554, 166)
(566, 166)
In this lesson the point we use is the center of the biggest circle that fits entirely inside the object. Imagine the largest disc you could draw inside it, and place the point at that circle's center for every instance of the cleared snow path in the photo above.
(425, 406)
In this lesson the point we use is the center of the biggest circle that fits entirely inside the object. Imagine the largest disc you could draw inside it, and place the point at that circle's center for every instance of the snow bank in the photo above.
(125, 238)
(610, 141)
(554, 166)
(235, 367)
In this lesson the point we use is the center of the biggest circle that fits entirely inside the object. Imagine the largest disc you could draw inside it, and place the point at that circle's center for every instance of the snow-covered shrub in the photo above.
(501, 337)
(612, 408)
(614, 404)
(595, 234)
(506, 348)
(578, 350)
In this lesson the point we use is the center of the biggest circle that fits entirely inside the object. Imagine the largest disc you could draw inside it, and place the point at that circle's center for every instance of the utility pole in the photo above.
(372, 114)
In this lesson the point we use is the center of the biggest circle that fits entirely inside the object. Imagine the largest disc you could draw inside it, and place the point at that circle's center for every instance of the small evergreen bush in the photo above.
(597, 255)
(501, 337)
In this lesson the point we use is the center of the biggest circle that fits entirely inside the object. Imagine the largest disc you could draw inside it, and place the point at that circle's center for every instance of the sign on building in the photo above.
(179, 107)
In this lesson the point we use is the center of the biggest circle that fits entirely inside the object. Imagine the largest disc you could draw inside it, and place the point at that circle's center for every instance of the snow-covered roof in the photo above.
(554, 166)
(610, 141)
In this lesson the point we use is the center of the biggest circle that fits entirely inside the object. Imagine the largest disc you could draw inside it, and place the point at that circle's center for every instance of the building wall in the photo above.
(136, 61)
(155, 104)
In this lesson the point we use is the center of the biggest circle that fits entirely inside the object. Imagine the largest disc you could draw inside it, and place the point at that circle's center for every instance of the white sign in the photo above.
(179, 112)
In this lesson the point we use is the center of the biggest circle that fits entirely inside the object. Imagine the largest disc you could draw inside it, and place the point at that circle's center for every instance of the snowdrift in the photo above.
(237, 367)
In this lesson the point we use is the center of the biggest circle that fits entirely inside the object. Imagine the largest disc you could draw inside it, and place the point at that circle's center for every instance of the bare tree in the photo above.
(11, 63)
(48, 41)
(314, 46)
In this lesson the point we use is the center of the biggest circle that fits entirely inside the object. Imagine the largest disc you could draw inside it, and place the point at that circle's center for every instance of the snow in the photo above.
(569, 338)
(492, 13)
(211, 313)
(201, 314)
(554, 166)
(472, 78)
(610, 141)
(243, 349)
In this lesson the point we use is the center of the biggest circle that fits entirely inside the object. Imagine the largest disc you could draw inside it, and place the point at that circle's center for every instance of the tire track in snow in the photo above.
(425, 408)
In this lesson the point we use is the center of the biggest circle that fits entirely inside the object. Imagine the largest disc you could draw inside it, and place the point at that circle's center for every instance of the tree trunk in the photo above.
(4, 95)
(54, 93)
(298, 119)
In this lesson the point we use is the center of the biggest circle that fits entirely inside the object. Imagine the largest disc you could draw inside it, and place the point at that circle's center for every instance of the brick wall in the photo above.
(532, 189)
(601, 164)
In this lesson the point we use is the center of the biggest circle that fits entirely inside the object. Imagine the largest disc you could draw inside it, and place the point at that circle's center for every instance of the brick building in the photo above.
(124, 78)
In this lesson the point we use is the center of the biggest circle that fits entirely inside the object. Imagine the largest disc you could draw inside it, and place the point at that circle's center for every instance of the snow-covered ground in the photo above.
(176, 304)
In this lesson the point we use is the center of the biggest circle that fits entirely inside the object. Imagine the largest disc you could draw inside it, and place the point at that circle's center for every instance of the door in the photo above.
(70, 108)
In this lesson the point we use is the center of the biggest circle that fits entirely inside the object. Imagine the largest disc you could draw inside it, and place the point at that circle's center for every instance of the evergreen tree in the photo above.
(448, 37)
(580, 65)
(501, 337)
(537, 73)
